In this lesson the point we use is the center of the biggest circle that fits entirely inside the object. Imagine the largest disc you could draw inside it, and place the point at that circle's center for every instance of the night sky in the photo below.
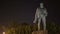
(23, 10)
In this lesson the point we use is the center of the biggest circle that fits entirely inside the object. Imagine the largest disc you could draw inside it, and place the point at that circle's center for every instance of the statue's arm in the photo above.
(35, 19)
(46, 12)
(36, 13)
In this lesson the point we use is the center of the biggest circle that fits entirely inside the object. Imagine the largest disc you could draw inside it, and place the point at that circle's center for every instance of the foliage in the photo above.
(28, 28)
(53, 28)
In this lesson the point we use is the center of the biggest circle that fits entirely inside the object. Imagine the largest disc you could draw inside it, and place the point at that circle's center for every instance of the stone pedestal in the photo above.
(40, 32)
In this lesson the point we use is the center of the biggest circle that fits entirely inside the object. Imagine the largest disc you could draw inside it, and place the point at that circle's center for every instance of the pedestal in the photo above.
(40, 32)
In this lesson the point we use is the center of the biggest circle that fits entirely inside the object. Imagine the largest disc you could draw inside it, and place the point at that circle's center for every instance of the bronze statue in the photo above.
(41, 13)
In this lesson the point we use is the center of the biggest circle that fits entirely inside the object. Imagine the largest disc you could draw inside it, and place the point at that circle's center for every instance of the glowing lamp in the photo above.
(3, 32)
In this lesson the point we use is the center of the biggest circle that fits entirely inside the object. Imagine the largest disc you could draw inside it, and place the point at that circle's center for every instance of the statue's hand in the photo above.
(34, 21)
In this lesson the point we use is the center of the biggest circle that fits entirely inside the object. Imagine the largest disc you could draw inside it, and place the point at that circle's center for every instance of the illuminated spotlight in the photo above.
(3, 32)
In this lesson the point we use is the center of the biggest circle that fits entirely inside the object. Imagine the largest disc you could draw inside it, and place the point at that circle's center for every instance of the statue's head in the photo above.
(41, 5)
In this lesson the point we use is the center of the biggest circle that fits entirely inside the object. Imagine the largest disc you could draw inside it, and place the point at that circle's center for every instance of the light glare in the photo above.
(3, 32)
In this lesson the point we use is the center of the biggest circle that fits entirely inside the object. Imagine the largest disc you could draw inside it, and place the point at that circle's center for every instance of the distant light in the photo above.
(3, 32)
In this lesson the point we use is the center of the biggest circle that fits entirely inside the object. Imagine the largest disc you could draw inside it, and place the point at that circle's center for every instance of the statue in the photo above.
(41, 13)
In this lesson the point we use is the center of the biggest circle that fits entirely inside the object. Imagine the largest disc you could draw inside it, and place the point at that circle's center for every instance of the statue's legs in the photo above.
(39, 21)
(44, 22)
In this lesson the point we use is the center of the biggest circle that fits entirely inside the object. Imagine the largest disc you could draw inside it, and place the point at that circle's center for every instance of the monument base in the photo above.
(40, 32)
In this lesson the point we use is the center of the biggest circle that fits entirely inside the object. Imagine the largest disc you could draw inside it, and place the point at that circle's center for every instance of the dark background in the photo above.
(24, 10)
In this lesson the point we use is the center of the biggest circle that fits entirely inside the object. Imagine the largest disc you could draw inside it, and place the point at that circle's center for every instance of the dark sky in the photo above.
(24, 10)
